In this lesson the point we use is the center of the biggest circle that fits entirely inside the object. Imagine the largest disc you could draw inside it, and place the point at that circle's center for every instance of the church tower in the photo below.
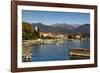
(36, 29)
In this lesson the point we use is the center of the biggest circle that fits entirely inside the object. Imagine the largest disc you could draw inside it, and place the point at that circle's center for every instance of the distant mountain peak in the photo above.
(75, 25)
(63, 28)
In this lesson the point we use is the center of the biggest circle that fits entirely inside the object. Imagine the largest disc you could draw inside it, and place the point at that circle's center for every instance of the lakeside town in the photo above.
(55, 35)
(41, 38)
(48, 37)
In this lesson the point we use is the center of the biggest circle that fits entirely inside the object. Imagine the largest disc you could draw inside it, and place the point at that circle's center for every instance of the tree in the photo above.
(26, 31)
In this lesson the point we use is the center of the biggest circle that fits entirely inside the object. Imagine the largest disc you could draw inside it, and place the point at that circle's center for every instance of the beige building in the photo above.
(78, 36)
(45, 34)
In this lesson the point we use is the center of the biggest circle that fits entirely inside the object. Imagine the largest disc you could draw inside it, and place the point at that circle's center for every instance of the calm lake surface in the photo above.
(53, 52)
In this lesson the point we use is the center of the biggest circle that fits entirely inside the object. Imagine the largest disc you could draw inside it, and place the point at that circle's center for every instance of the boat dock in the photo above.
(79, 53)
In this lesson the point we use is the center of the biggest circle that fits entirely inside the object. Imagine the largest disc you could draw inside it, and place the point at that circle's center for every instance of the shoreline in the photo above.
(47, 41)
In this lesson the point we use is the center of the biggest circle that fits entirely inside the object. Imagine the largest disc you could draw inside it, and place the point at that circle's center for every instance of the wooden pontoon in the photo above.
(79, 53)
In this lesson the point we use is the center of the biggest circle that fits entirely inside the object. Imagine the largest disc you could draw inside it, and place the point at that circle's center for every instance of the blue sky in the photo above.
(50, 17)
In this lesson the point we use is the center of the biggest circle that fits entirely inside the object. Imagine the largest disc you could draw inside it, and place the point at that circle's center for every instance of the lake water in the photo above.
(53, 52)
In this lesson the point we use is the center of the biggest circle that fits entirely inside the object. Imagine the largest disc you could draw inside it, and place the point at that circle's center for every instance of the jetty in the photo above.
(79, 53)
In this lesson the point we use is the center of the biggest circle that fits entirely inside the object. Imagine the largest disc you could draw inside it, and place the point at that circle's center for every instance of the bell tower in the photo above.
(36, 28)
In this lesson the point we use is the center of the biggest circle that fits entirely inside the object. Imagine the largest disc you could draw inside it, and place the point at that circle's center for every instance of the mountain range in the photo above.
(64, 28)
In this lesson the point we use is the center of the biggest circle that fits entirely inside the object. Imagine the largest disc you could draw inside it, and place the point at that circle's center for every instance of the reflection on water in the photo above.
(52, 52)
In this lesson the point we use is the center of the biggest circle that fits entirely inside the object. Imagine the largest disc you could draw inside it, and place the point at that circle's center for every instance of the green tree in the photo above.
(28, 32)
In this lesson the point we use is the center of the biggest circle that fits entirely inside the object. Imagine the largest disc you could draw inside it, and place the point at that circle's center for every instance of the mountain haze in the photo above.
(63, 28)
